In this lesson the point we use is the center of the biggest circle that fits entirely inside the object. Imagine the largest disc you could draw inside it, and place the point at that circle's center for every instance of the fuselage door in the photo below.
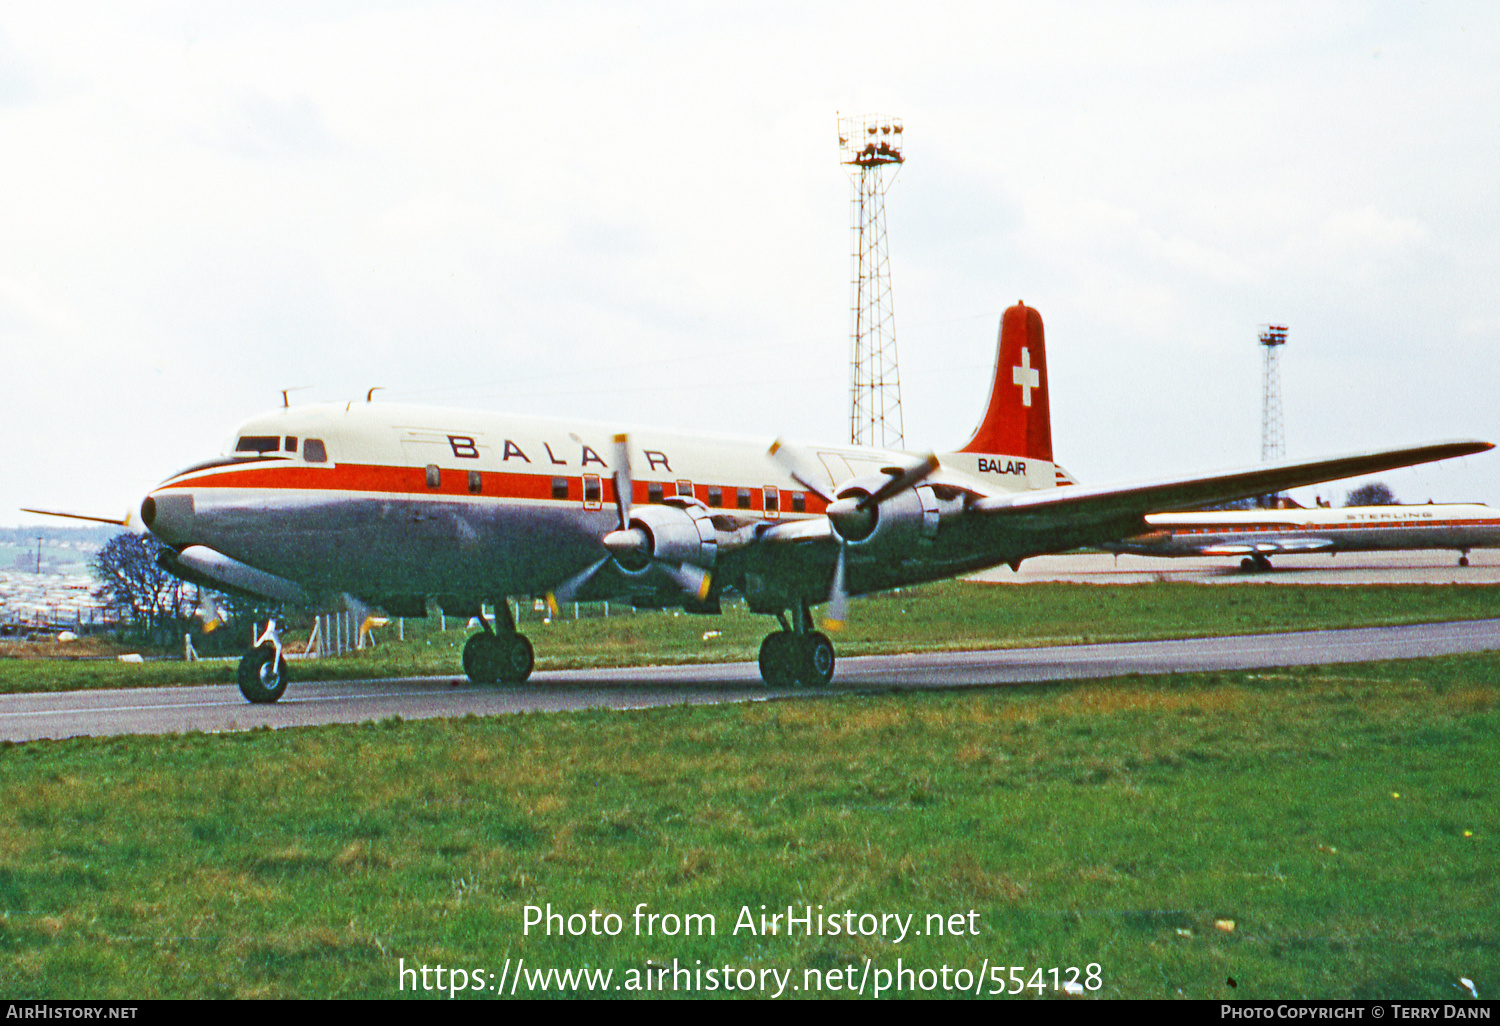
(772, 496)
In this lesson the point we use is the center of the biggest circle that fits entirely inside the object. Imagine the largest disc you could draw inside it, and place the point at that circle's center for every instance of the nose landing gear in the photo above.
(262, 674)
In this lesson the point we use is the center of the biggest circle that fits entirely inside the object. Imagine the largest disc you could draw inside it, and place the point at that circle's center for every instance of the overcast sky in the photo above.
(635, 214)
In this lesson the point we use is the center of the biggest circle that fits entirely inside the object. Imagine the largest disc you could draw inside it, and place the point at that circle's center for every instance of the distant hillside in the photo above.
(58, 534)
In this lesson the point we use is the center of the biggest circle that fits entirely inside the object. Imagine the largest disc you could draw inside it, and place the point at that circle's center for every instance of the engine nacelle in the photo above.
(895, 526)
(673, 534)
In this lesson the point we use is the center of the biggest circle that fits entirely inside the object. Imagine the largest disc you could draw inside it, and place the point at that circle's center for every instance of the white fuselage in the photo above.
(1348, 529)
(386, 500)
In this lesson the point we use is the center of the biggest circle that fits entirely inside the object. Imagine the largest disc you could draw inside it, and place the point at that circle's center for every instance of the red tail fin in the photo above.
(1017, 422)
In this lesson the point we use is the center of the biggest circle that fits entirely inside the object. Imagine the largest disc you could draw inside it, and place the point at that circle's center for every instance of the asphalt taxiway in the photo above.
(211, 709)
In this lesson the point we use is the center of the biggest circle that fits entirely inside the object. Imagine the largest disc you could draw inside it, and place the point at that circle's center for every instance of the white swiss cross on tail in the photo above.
(1017, 426)
(1027, 376)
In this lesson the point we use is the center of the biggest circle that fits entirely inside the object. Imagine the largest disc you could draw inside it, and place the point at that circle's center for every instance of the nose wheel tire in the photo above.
(262, 676)
(507, 658)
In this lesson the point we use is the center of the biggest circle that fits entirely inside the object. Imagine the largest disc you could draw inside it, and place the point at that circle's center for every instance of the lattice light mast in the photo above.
(1272, 433)
(867, 145)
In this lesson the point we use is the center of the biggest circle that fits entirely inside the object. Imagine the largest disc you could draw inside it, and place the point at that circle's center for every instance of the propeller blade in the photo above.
(694, 580)
(79, 516)
(798, 467)
(568, 590)
(209, 614)
(908, 478)
(837, 613)
(624, 486)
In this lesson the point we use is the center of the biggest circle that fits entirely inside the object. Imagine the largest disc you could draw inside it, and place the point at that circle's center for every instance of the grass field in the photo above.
(1344, 819)
(949, 616)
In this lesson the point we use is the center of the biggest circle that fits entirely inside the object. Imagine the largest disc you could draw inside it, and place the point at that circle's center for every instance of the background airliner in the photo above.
(1257, 535)
(396, 506)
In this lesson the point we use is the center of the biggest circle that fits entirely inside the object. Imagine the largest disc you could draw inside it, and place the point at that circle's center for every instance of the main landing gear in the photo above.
(1463, 559)
(1260, 563)
(795, 654)
(502, 655)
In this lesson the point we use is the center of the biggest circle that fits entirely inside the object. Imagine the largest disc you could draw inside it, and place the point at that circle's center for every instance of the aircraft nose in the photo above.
(168, 514)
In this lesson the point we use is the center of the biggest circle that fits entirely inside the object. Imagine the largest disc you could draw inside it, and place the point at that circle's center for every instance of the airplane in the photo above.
(396, 506)
(1257, 535)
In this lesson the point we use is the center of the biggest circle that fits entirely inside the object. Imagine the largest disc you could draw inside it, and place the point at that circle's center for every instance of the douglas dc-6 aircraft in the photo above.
(1257, 535)
(398, 505)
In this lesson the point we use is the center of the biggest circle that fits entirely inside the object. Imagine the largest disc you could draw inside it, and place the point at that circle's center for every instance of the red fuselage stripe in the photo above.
(1315, 528)
(356, 477)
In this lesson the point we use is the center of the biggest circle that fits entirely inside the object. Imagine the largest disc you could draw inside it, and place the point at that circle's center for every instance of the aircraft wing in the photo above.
(1062, 518)
(1284, 546)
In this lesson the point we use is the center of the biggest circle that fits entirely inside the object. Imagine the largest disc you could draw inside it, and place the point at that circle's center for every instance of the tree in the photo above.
(1236, 504)
(1373, 494)
(135, 586)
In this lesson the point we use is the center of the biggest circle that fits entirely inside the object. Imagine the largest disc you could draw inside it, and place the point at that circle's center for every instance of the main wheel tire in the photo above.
(516, 658)
(814, 660)
(262, 676)
(482, 655)
(1463, 560)
(776, 664)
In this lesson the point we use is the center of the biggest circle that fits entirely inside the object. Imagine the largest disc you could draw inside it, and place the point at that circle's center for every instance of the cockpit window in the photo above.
(258, 443)
(313, 451)
(291, 443)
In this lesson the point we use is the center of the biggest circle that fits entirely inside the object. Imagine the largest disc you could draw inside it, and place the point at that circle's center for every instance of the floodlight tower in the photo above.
(1272, 435)
(866, 146)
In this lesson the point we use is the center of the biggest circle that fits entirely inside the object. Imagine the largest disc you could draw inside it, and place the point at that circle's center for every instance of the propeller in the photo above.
(798, 466)
(630, 546)
(853, 518)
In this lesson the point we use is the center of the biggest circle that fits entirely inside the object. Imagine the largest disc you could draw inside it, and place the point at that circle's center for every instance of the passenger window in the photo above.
(799, 502)
(685, 488)
(715, 495)
(291, 443)
(559, 488)
(742, 498)
(593, 491)
(258, 443)
(434, 476)
(476, 483)
(654, 492)
(773, 500)
(314, 452)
